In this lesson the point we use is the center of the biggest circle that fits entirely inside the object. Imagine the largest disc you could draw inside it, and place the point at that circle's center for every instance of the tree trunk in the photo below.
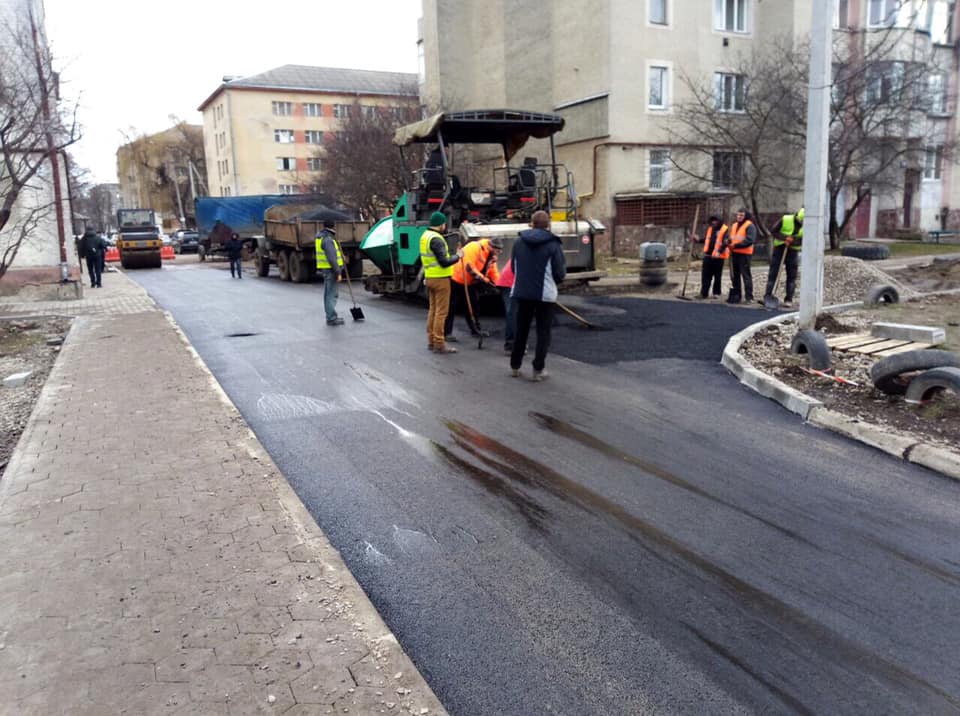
(834, 229)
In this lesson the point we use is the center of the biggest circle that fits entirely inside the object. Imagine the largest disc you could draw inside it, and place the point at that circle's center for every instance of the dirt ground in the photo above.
(940, 275)
(936, 422)
(23, 347)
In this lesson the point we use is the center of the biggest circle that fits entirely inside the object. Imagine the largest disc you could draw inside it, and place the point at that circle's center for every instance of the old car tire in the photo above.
(882, 294)
(263, 266)
(655, 276)
(867, 252)
(812, 344)
(202, 252)
(283, 264)
(886, 373)
(931, 383)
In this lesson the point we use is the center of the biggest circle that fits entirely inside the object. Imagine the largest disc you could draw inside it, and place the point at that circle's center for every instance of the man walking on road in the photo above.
(788, 236)
(437, 269)
(741, 238)
(234, 247)
(538, 267)
(715, 252)
(330, 265)
(92, 248)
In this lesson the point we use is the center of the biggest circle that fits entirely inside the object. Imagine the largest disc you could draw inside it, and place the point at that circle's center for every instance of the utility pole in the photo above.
(815, 167)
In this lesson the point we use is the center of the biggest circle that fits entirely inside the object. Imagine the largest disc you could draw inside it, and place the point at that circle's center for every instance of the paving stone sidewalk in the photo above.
(156, 561)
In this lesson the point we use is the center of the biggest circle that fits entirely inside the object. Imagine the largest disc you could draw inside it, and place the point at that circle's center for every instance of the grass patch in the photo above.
(916, 248)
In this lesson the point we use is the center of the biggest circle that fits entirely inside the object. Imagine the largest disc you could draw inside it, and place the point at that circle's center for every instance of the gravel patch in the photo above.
(846, 280)
(24, 347)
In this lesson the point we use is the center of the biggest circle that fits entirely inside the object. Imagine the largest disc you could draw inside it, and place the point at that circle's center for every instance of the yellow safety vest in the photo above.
(431, 267)
(788, 227)
(322, 262)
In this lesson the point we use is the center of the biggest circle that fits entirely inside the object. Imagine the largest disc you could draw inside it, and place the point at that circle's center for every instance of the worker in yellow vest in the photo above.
(330, 265)
(787, 236)
(438, 266)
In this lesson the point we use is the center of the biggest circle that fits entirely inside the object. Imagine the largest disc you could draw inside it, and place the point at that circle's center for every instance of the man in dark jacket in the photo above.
(538, 266)
(234, 247)
(93, 248)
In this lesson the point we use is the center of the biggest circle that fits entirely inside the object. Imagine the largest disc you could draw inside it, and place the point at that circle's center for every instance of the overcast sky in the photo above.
(134, 63)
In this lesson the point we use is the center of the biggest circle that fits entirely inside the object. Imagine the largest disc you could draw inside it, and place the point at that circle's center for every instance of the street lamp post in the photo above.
(815, 169)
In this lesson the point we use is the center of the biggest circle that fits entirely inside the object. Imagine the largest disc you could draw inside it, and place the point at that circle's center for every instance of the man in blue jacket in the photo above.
(538, 266)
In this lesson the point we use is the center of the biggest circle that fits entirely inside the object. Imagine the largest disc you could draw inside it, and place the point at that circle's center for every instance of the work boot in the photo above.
(478, 334)
(444, 349)
(451, 338)
(787, 303)
(335, 322)
(514, 372)
(540, 375)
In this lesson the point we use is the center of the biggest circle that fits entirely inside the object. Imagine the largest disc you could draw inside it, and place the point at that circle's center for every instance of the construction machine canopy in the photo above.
(507, 127)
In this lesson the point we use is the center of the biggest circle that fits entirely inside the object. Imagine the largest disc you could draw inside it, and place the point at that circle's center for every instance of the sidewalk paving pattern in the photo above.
(155, 561)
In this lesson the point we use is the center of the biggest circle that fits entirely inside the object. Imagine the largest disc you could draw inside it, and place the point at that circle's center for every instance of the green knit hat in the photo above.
(438, 218)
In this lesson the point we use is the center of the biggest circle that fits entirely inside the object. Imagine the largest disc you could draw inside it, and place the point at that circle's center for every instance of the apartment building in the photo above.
(617, 70)
(164, 172)
(264, 134)
(35, 239)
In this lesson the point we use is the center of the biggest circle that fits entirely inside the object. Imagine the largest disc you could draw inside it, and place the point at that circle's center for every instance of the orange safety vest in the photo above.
(739, 233)
(476, 254)
(719, 251)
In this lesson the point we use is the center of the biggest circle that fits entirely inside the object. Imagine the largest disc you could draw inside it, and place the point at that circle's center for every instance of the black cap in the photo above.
(328, 223)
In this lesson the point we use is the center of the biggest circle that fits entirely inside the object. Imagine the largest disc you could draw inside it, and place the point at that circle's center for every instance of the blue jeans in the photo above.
(330, 293)
(510, 314)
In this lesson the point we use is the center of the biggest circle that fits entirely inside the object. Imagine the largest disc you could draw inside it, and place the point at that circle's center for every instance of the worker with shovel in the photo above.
(715, 252)
(330, 265)
(787, 242)
(437, 268)
(477, 267)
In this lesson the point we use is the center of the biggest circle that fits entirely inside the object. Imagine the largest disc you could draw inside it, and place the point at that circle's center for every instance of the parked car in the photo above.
(186, 242)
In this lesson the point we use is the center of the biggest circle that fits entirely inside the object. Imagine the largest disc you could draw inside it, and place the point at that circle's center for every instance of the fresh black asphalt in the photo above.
(638, 534)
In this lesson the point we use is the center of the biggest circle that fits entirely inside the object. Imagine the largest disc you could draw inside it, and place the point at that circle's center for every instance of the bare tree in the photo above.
(754, 117)
(32, 135)
(360, 164)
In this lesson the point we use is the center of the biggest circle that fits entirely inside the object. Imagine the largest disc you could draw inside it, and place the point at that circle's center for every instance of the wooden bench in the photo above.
(873, 346)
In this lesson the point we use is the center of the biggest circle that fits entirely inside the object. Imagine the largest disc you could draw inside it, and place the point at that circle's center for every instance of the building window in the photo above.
(286, 164)
(369, 111)
(341, 111)
(657, 12)
(282, 109)
(841, 13)
(659, 161)
(933, 163)
(226, 166)
(312, 109)
(940, 22)
(730, 15)
(421, 63)
(283, 136)
(288, 189)
(730, 91)
(884, 82)
(313, 136)
(727, 170)
(883, 13)
(937, 92)
(314, 164)
(658, 88)
(314, 188)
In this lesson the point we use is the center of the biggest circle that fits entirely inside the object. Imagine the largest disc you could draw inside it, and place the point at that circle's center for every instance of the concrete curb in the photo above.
(813, 411)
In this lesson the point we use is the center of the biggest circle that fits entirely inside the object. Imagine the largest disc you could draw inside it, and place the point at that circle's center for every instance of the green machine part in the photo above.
(406, 233)
(394, 241)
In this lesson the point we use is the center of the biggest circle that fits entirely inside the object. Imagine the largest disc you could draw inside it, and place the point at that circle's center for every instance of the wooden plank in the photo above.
(836, 341)
(881, 346)
(862, 344)
(901, 349)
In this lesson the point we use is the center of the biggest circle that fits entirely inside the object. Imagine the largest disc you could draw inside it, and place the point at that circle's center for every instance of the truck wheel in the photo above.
(202, 252)
(283, 264)
(298, 268)
(157, 261)
(263, 265)
(889, 375)
(355, 268)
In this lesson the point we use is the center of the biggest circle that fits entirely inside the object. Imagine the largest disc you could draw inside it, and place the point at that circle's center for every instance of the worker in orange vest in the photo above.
(478, 266)
(715, 252)
(741, 239)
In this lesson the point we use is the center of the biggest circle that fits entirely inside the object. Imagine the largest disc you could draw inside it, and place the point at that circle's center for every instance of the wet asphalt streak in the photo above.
(637, 534)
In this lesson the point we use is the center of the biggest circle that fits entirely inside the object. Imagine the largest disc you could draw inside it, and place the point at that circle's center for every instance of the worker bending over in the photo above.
(477, 266)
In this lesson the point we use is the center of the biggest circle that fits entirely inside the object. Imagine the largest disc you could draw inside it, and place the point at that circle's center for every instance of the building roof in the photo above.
(303, 78)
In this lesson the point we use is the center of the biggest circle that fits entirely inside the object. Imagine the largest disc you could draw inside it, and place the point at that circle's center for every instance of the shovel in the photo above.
(693, 231)
(771, 302)
(356, 312)
(473, 320)
(577, 317)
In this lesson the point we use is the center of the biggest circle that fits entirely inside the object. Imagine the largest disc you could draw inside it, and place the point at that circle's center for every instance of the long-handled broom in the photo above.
(693, 232)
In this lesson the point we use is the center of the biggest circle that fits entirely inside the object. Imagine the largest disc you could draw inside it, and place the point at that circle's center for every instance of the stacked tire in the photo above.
(866, 252)
(919, 376)
(653, 269)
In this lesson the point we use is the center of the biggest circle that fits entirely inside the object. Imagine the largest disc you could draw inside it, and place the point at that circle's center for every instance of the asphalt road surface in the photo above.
(637, 534)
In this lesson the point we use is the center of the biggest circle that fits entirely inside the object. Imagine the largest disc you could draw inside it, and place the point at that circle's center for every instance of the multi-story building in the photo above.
(264, 134)
(617, 70)
(164, 172)
(35, 240)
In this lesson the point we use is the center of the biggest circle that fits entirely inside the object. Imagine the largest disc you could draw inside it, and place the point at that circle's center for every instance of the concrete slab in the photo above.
(909, 332)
